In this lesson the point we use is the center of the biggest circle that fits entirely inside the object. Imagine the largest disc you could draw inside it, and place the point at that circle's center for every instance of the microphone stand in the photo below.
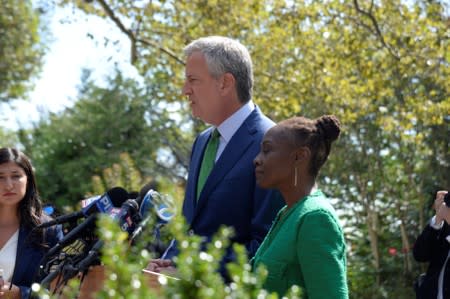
(52, 275)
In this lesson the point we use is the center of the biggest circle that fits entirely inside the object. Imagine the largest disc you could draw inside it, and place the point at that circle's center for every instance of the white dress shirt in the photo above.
(8, 256)
(231, 125)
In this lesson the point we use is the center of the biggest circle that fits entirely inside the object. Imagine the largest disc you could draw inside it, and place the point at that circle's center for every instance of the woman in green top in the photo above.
(305, 245)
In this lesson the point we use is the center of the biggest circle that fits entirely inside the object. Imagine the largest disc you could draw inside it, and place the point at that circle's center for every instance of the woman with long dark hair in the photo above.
(22, 242)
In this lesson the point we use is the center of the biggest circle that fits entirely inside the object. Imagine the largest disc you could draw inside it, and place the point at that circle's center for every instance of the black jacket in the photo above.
(29, 256)
(432, 246)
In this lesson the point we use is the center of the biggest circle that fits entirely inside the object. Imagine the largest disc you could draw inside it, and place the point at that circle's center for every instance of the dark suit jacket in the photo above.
(28, 258)
(431, 246)
(230, 195)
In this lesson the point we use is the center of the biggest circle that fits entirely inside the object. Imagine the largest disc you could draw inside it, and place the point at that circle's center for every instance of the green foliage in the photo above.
(197, 264)
(123, 174)
(197, 275)
(70, 147)
(197, 269)
(121, 269)
(21, 52)
(380, 66)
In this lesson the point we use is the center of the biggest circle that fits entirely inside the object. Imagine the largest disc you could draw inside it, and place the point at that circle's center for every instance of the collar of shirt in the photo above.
(438, 226)
(232, 124)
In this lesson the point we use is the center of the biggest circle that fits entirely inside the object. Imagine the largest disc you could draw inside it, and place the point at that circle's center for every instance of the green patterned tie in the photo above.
(208, 160)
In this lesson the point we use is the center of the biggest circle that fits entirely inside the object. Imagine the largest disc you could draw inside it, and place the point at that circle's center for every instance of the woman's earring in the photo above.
(295, 177)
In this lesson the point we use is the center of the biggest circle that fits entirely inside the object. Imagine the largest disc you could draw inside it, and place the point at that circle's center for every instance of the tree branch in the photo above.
(376, 27)
(134, 40)
(162, 49)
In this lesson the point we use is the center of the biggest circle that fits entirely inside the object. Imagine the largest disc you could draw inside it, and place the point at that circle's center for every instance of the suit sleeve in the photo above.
(172, 249)
(321, 254)
(426, 245)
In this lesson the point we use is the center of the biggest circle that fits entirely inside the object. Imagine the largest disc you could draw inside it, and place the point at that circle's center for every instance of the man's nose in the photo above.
(186, 89)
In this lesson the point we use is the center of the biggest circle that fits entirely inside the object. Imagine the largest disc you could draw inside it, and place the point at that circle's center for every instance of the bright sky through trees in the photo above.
(70, 50)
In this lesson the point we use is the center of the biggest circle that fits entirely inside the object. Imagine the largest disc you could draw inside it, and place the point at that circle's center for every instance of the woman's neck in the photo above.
(296, 193)
(9, 217)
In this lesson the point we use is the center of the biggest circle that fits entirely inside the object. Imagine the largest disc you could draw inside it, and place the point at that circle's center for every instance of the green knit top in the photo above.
(306, 247)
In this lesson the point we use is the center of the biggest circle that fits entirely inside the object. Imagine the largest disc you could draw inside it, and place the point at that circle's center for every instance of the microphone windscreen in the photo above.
(133, 195)
(144, 190)
(156, 202)
(131, 204)
(118, 196)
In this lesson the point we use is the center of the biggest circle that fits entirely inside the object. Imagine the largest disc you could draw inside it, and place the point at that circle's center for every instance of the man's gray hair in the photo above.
(226, 55)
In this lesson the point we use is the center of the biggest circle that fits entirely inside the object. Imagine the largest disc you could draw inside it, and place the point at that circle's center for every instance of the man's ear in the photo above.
(228, 83)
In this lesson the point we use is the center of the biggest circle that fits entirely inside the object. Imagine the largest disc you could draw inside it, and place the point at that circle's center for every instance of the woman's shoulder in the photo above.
(316, 207)
(316, 201)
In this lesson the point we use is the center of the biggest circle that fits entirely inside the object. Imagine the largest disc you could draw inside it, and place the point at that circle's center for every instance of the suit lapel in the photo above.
(235, 149)
(22, 256)
(196, 161)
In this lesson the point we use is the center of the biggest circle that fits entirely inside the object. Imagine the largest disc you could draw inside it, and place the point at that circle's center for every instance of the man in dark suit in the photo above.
(433, 246)
(219, 82)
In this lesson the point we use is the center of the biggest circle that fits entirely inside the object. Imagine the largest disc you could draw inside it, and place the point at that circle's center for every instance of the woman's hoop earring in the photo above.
(295, 177)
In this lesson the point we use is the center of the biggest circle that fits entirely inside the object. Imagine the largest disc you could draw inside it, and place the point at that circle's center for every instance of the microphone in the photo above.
(52, 275)
(72, 235)
(153, 201)
(69, 264)
(144, 191)
(71, 269)
(128, 216)
(139, 228)
(91, 256)
(112, 198)
(104, 204)
(161, 204)
(63, 219)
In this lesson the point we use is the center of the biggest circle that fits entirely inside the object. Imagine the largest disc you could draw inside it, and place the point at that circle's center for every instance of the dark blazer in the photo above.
(230, 195)
(28, 258)
(431, 246)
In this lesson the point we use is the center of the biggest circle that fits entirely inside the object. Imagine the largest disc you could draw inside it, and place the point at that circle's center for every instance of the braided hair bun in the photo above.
(329, 126)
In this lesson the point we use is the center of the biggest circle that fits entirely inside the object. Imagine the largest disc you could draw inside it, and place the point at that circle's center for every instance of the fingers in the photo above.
(443, 213)
(163, 263)
(439, 200)
(169, 270)
(157, 265)
(441, 210)
(440, 194)
(166, 263)
(152, 267)
(437, 204)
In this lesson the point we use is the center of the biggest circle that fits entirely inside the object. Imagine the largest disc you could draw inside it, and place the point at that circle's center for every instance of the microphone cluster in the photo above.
(132, 216)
